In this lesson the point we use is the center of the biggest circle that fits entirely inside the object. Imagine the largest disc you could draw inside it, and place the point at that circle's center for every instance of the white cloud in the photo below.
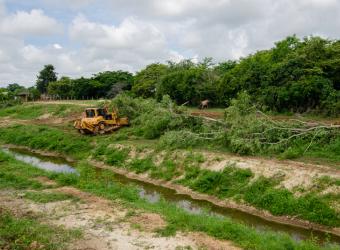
(131, 33)
(57, 46)
(34, 22)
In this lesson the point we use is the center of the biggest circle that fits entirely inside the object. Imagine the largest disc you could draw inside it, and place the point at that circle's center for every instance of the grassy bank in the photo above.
(47, 138)
(20, 175)
(23, 233)
(31, 111)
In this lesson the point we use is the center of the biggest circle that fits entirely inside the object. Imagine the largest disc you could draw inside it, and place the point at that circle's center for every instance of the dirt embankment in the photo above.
(292, 173)
(105, 224)
(221, 203)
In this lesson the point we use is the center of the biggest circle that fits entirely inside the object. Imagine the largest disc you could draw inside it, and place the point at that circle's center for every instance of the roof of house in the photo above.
(23, 93)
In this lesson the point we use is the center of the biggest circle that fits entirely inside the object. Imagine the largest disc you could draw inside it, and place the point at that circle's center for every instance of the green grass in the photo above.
(262, 193)
(47, 138)
(15, 175)
(329, 151)
(225, 183)
(32, 111)
(279, 201)
(46, 197)
(103, 184)
(20, 233)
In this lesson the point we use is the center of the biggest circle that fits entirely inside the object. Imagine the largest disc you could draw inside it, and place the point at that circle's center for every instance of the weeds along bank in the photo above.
(20, 176)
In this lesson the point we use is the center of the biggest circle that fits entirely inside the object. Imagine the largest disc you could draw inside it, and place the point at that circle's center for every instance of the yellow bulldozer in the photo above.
(99, 121)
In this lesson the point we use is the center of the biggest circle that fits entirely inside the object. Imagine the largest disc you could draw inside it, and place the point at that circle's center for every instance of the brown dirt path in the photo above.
(105, 224)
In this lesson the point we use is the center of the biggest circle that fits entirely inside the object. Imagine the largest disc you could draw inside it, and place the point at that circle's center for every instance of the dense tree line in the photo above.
(105, 84)
(296, 75)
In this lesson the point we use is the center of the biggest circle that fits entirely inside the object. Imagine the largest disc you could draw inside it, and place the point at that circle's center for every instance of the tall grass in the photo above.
(32, 111)
(47, 138)
(263, 193)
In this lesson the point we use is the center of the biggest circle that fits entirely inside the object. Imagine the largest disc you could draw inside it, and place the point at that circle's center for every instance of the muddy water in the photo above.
(154, 193)
(53, 164)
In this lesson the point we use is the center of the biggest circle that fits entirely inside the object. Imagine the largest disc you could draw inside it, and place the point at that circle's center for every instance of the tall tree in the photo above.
(46, 75)
(146, 80)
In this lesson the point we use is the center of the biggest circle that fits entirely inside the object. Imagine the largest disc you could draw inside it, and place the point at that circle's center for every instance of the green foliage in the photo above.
(112, 156)
(113, 82)
(252, 133)
(9, 180)
(263, 194)
(141, 165)
(189, 82)
(225, 183)
(152, 119)
(167, 170)
(179, 139)
(61, 88)
(146, 81)
(296, 75)
(115, 157)
(9, 96)
(103, 84)
(46, 75)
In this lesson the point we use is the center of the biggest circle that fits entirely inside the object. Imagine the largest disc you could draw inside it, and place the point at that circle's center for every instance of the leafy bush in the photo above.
(167, 170)
(151, 119)
(116, 157)
(279, 201)
(225, 183)
(141, 165)
(179, 139)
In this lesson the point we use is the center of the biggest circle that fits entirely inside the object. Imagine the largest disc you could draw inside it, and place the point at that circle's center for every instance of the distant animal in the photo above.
(204, 104)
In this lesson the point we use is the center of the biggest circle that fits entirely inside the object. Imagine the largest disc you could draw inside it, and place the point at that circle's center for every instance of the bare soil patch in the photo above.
(105, 224)
(209, 114)
(149, 222)
(294, 173)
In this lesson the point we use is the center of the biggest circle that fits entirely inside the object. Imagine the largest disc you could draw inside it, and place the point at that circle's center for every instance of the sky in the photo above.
(84, 37)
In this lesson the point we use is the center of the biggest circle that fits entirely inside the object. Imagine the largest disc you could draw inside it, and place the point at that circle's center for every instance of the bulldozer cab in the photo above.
(90, 113)
(96, 112)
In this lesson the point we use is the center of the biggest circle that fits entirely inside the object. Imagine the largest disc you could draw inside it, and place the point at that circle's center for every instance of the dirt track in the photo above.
(105, 225)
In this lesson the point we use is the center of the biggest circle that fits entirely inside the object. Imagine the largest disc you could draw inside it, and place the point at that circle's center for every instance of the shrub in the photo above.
(179, 139)
(141, 165)
(151, 119)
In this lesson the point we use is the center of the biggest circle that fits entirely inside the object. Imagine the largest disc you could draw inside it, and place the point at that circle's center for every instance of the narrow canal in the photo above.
(154, 193)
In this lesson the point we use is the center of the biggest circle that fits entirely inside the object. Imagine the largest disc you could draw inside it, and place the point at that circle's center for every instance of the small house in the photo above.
(23, 95)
